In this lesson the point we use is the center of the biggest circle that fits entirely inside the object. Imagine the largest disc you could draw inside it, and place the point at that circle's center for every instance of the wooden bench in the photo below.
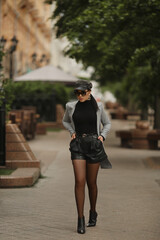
(125, 137)
(153, 138)
(139, 139)
(26, 121)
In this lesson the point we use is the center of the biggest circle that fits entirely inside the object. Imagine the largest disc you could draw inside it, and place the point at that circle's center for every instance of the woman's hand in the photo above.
(100, 138)
(73, 136)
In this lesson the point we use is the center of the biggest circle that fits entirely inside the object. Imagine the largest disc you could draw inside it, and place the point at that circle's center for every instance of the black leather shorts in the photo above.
(87, 147)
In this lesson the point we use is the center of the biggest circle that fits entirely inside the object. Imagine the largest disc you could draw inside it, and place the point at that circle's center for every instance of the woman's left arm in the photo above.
(105, 122)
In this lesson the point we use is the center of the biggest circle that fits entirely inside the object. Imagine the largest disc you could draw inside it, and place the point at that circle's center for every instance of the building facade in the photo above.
(69, 65)
(58, 59)
(25, 32)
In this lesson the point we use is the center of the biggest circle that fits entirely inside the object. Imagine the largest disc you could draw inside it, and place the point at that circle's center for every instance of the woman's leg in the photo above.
(79, 167)
(91, 175)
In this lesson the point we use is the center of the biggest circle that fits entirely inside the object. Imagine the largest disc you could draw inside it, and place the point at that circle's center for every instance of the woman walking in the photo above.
(83, 119)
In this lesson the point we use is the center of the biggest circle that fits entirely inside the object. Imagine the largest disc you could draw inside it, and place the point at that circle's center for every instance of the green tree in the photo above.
(114, 36)
(143, 73)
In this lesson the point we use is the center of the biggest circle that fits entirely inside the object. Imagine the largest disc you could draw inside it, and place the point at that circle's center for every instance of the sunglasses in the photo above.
(78, 93)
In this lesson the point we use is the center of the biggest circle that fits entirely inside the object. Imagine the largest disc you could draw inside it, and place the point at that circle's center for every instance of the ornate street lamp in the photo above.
(34, 56)
(2, 42)
(43, 57)
(11, 51)
(14, 44)
(34, 60)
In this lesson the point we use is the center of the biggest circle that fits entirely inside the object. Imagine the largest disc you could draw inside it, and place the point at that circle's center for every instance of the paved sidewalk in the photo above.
(128, 203)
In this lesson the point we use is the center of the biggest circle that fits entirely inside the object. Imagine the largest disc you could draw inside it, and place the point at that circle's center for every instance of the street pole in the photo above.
(2, 99)
(11, 51)
(2, 133)
(11, 66)
(2, 109)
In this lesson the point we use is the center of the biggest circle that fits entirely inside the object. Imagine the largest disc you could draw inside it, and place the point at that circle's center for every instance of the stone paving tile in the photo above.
(128, 203)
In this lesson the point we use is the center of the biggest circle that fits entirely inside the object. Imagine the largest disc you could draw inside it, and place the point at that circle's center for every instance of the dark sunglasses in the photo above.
(78, 93)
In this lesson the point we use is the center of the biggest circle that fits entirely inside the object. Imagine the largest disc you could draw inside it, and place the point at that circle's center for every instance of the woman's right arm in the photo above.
(67, 121)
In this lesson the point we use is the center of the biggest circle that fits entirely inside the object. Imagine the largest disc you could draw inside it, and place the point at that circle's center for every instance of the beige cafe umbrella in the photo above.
(47, 73)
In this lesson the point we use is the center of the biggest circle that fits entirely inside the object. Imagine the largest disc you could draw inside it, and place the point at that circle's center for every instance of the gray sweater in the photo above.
(103, 122)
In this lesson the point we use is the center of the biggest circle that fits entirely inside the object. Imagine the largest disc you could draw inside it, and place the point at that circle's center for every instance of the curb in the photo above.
(21, 177)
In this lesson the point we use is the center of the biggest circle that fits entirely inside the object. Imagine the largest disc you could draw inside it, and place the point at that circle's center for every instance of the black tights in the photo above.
(85, 172)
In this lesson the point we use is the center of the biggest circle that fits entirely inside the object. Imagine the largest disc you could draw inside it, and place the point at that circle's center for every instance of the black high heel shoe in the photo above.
(92, 219)
(81, 225)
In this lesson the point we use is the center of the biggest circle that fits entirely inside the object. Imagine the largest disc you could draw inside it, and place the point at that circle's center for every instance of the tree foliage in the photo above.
(40, 90)
(143, 73)
(105, 34)
(119, 38)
